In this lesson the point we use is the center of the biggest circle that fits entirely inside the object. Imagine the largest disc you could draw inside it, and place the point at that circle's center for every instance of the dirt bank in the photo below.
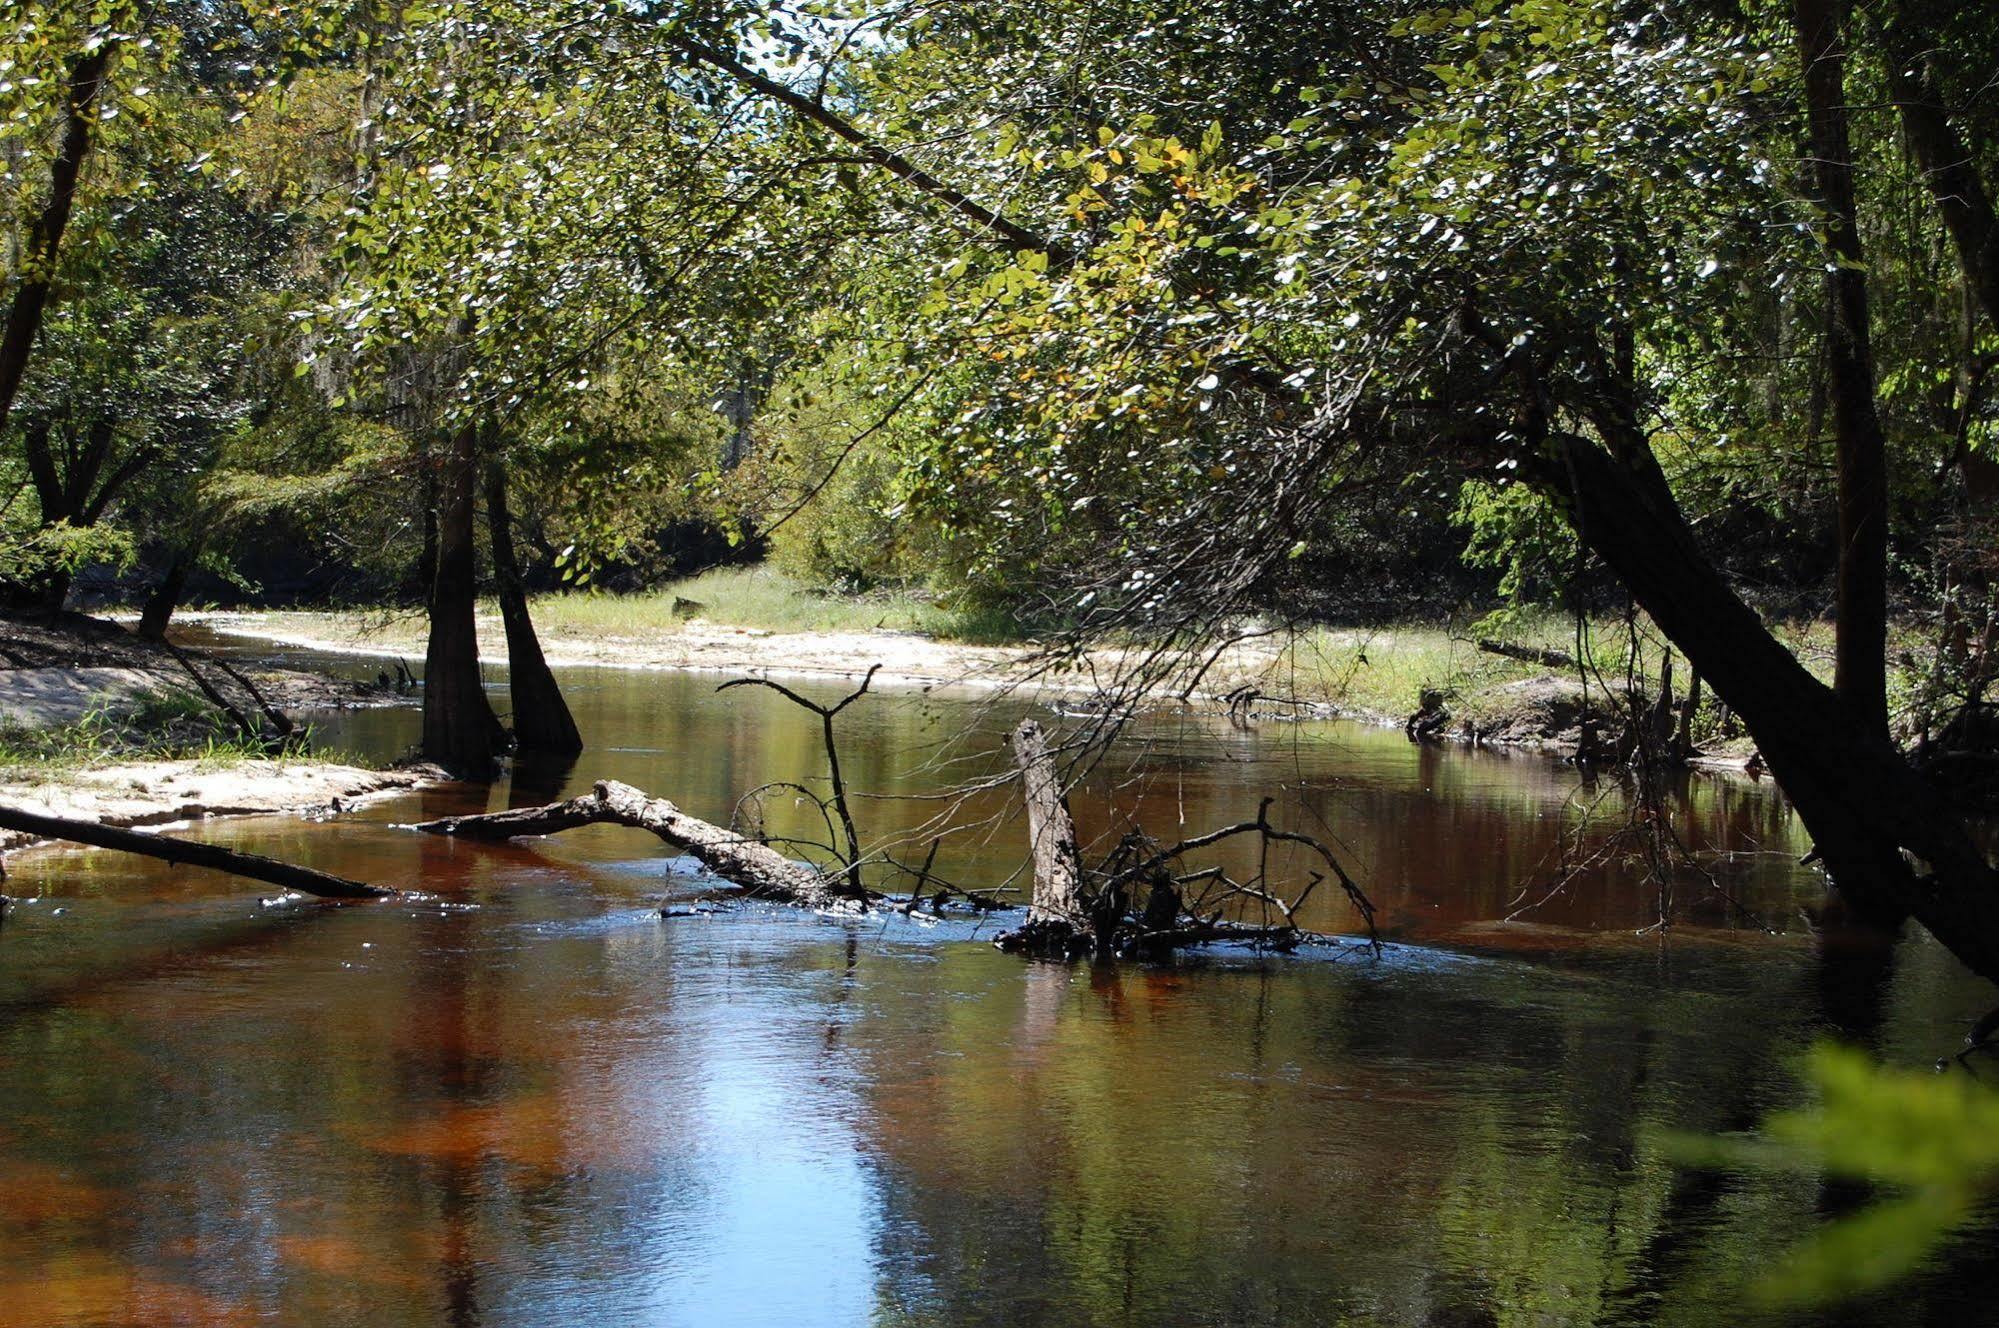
(54, 671)
(906, 658)
(148, 753)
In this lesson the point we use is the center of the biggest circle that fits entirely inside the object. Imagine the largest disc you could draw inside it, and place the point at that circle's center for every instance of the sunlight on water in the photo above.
(531, 1100)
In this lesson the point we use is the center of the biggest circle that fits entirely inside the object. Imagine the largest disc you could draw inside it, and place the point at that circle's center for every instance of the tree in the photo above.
(82, 84)
(148, 288)
(1861, 678)
(1465, 239)
(554, 211)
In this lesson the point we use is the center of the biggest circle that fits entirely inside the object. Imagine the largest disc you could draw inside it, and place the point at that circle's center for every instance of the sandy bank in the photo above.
(698, 646)
(166, 792)
(1531, 715)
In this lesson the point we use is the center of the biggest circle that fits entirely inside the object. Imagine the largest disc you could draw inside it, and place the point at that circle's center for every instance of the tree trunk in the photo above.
(52, 498)
(460, 731)
(213, 856)
(51, 494)
(1948, 167)
(1051, 832)
(55, 590)
(160, 605)
(1690, 708)
(1860, 670)
(756, 866)
(24, 317)
(542, 722)
(1860, 800)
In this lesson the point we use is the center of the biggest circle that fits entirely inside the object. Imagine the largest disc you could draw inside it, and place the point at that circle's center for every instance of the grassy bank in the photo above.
(764, 599)
(163, 725)
(1386, 669)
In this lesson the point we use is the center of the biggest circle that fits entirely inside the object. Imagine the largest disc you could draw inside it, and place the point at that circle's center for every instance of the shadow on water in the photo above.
(528, 1099)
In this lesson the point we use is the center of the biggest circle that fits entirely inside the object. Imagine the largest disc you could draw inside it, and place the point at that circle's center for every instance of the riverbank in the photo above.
(1378, 675)
(60, 670)
(97, 724)
(172, 791)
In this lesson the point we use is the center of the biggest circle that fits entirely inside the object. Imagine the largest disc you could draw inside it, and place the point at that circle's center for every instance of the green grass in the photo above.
(1384, 670)
(757, 597)
(168, 725)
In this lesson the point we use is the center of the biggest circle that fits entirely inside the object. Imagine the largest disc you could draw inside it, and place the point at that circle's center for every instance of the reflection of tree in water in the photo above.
(452, 1070)
(1471, 1145)
(508, 1128)
(506, 1114)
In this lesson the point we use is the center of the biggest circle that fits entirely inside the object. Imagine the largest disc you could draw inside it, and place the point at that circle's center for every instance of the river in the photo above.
(530, 1099)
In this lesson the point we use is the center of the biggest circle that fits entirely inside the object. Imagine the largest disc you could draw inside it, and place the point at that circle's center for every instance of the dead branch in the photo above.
(1260, 826)
(208, 689)
(826, 714)
(1553, 659)
(1134, 903)
(212, 856)
(281, 723)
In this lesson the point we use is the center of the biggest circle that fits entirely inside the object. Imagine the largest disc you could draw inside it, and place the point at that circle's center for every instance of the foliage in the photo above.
(1515, 530)
(1932, 1140)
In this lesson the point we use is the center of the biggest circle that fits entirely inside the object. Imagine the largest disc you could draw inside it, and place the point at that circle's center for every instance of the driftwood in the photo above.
(1134, 903)
(183, 851)
(1051, 831)
(755, 866)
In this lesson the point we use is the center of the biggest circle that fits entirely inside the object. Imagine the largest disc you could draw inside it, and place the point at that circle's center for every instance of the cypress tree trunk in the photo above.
(460, 731)
(542, 722)
(160, 605)
(1860, 669)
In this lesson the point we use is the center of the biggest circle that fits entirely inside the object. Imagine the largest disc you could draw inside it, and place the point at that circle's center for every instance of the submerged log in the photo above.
(750, 863)
(194, 854)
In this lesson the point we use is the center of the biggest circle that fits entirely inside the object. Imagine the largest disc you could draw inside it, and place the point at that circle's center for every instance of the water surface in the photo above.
(529, 1099)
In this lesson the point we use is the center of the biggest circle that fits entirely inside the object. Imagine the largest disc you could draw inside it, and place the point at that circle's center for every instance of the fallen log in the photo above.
(750, 863)
(191, 853)
(1554, 659)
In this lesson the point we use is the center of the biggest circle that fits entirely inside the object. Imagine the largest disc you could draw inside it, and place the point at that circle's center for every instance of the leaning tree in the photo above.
(1247, 264)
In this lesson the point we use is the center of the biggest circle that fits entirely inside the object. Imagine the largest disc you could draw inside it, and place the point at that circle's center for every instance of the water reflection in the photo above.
(530, 1100)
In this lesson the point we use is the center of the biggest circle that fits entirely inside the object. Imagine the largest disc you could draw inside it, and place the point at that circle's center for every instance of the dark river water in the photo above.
(530, 1099)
